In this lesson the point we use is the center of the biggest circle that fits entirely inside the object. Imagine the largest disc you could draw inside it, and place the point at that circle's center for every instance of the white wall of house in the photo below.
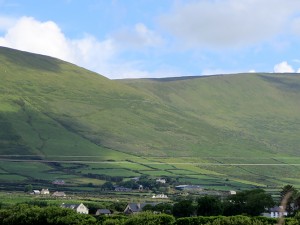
(82, 209)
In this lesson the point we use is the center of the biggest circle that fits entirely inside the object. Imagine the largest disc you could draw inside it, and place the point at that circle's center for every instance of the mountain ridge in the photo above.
(53, 109)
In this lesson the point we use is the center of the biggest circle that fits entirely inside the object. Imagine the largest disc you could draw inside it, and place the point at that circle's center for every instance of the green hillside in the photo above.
(60, 121)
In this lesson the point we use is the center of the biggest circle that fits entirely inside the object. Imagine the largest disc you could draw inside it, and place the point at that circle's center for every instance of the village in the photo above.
(136, 199)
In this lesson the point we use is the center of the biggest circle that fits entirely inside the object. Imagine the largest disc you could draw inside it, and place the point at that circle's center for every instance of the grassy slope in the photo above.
(51, 109)
(239, 113)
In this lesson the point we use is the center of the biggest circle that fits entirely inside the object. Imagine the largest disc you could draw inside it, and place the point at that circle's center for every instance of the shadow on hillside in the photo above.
(169, 79)
(286, 83)
(31, 61)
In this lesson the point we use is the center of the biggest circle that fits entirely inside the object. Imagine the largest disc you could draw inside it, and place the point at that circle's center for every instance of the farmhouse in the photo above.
(232, 192)
(36, 192)
(79, 208)
(160, 196)
(45, 191)
(161, 180)
(58, 182)
(275, 212)
(133, 208)
(59, 194)
(123, 189)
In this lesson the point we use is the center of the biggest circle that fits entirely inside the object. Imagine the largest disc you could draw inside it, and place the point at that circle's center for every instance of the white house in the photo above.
(160, 196)
(36, 192)
(232, 192)
(59, 194)
(161, 180)
(79, 208)
(45, 191)
(276, 212)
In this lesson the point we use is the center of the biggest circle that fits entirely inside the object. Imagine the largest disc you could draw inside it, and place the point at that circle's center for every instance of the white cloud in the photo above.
(29, 34)
(229, 23)
(139, 36)
(283, 67)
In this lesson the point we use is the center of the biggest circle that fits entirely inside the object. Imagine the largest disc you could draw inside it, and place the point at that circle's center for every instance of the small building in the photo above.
(160, 196)
(276, 212)
(36, 192)
(79, 208)
(161, 180)
(105, 212)
(59, 194)
(186, 187)
(232, 192)
(59, 182)
(45, 191)
(135, 179)
(123, 189)
(133, 208)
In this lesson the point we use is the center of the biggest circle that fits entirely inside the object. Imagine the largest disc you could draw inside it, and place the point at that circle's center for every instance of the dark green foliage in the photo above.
(159, 208)
(39, 203)
(118, 206)
(148, 218)
(107, 186)
(129, 184)
(222, 220)
(184, 208)
(111, 220)
(250, 202)
(33, 215)
(209, 206)
(28, 188)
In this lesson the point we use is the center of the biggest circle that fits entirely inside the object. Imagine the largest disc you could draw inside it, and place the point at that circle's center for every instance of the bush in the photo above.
(148, 218)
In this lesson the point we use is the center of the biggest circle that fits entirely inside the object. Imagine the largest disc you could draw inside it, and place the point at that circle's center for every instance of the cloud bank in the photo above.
(46, 38)
(229, 23)
(29, 34)
(284, 67)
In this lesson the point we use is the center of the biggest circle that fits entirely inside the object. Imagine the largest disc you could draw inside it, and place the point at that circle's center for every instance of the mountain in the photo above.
(74, 124)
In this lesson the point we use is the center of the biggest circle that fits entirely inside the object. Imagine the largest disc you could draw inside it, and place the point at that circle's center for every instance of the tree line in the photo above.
(33, 215)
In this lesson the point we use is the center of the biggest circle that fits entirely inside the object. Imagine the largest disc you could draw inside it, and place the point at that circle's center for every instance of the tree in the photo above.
(28, 188)
(148, 218)
(256, 202)
(183, 208)
(209, 206)
(107, 186)
(162, 208)
(251, 202)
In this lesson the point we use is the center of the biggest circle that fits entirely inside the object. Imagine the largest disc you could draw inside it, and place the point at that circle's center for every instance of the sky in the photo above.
(158, 38)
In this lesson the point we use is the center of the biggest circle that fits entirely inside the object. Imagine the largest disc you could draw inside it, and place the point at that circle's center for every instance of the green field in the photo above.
(60, 121)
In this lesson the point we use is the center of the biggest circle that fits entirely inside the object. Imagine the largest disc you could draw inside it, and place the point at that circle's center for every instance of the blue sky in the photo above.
(151, 38)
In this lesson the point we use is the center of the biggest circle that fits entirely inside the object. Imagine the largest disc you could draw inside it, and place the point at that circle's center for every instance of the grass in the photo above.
(56, 111)
(12, 178)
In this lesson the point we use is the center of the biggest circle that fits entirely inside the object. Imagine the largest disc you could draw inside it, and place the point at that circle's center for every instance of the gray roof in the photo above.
(277, 209)
(138, 207)
(70, 206)
(103, 211)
